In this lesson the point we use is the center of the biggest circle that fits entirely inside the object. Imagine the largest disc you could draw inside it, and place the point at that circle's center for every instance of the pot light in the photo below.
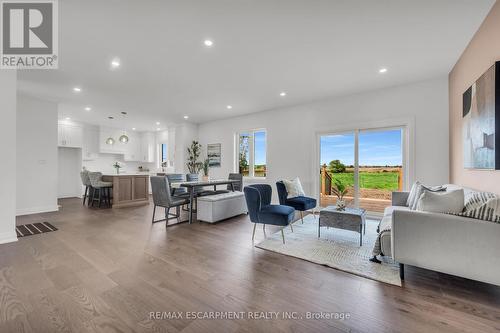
(382, 70)
(158, 129)
(115, 63)
(186, 117)
(282, 94)
(68, 118)
(229, 107)
(208, 42)
(88, 108)
(133, 128)
(77, 89)
(157, 123)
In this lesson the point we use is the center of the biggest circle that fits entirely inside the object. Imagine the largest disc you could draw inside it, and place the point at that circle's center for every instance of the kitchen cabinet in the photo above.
(133, 148)
(90, 149)
(148, 147)
(69, 135)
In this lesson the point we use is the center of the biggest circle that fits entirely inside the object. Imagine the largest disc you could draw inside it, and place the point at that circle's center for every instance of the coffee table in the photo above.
(353, 219)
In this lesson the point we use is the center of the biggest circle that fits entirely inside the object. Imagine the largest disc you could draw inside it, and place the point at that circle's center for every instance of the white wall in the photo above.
(8, 80)
(69, 167)
(291, 131)
(184, 136)
(36, 155)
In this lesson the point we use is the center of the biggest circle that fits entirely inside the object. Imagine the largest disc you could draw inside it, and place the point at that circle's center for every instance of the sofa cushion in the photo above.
(301, 203)
(388, 210)
(413, 193)
(442, 202)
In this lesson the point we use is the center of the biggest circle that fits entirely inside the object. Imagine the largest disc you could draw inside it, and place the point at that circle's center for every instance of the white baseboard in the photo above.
(8, 237)
(36, 210)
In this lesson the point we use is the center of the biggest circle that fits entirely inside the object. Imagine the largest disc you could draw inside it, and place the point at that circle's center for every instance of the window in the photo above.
(252, 153)
(163, 153)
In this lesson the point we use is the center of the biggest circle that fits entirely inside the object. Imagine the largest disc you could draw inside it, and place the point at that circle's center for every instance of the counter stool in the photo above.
(84, 175)
(101, 190)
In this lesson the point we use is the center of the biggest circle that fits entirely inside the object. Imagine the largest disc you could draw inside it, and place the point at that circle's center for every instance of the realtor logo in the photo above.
(29, 34)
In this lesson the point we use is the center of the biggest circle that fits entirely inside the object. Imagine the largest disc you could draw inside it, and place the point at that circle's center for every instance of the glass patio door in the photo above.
(368, 162)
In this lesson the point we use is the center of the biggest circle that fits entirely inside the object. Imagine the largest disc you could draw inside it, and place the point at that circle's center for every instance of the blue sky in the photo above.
(375, 148)
(260, 147)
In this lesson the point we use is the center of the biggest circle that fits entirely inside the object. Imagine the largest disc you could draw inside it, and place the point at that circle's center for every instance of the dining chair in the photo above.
(101, 190)
(300, 203)
(162, 197)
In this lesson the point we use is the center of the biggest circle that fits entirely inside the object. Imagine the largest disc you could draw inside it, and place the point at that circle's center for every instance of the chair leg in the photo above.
(291, 226)
(154, 211)
(90, 199)
(167, 212)
(178, 213)
(302, 216)
(100, 197)
(253, 234)
(402, 271)
(283, 235)
(85, 194)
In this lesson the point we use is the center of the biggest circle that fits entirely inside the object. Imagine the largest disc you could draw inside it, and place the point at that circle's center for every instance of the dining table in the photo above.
(192, 185)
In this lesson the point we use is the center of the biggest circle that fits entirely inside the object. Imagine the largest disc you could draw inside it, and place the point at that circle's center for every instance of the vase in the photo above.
(117, 171)
(340, 205)
(205, 178)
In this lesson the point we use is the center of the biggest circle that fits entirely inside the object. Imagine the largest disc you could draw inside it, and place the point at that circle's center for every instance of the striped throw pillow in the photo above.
(475, 199)
(488, 211)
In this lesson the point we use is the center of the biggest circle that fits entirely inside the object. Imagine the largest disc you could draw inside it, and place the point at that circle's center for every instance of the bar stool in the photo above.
(102, 190)
(84, 175)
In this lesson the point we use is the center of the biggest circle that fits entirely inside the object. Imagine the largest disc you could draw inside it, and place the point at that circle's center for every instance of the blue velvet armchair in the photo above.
(258, 198)
(300, 203)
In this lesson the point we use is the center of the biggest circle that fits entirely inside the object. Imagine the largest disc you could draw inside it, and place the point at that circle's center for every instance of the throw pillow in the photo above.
(413, 193)
(420, 189)
(294, 188)
(442, 202)
(489, 211)
(475, 199)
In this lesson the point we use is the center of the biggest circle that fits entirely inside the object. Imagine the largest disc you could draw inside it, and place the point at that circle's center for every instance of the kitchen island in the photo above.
(129, 189)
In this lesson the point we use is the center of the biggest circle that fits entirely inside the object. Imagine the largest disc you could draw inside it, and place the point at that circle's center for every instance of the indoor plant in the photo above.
(194, 151)
(117, 167)
(340, 190)
(206, 166)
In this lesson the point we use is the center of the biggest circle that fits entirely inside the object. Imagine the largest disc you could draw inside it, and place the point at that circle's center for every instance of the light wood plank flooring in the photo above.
(106, 270)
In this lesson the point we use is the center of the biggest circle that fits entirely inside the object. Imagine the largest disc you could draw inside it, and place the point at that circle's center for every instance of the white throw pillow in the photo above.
(442, 202)
(294, 188)
(412, 197)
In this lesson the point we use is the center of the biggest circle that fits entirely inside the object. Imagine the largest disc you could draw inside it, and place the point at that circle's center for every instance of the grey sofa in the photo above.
(455, 245)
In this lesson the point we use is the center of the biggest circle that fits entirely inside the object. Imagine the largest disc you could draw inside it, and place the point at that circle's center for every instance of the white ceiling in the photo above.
(308, 48)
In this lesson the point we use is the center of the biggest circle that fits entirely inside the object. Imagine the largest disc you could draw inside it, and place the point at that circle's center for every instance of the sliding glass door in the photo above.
(369, 162)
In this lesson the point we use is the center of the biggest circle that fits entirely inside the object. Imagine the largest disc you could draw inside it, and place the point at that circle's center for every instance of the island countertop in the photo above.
(129, 189)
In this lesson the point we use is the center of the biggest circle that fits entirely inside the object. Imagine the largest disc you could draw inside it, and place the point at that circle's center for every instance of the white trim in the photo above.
(8, 237)
(36, 210)
(408, 137)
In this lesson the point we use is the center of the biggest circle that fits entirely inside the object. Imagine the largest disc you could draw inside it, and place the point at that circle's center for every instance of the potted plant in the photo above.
(194, 151)
(117, 167)
(340, 190)
(206, 166)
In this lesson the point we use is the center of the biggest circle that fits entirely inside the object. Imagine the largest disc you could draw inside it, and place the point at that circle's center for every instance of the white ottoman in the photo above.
(213, 208)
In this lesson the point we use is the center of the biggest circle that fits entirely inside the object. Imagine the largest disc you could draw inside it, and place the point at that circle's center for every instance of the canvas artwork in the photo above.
(480, 121)
(214, 154)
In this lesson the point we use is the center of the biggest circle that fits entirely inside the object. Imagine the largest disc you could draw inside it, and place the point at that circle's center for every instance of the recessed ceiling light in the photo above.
(68, 118)
(123, 112)
(88, 108)
(157, 123)
(133, 128)
(282, 94)
(115, 63)
(158, 129)
(229, 107)
(208, 42)
(186, 117)
(382, 70)
(77, 89)
(110, 117)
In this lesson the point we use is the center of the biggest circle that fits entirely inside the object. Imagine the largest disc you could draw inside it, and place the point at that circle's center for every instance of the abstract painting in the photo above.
(214, 154)
(480, 121)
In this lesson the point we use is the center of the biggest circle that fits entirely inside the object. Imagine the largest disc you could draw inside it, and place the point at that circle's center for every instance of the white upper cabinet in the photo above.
(148, 147)
(90, 149)
(133, 148)
(70, 135)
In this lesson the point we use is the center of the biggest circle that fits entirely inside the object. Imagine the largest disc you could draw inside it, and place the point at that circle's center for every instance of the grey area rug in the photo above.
(336, 248)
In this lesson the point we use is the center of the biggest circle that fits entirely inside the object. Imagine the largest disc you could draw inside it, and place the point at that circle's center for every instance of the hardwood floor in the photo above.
(107, 270)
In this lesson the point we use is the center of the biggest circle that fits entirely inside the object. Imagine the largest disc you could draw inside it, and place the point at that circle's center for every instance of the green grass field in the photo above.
(375, 180)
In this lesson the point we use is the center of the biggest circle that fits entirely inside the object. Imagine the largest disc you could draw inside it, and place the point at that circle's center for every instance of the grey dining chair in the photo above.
(177, 178)
(237, 186)
(162, 197)
(84, 175)
(101, 190)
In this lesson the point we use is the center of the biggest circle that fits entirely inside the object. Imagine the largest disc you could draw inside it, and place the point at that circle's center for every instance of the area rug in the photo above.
(336, 248)
(34, 229)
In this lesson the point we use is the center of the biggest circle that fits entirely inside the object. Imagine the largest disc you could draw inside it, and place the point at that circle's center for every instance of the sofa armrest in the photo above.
(400, 198)
(447, 243)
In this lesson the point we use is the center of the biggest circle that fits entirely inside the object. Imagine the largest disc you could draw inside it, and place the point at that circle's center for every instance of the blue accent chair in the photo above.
(258, 198)
(301, 203)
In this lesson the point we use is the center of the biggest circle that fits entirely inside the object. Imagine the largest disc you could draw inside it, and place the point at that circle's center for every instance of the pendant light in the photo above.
(123, 138)
(110, 141)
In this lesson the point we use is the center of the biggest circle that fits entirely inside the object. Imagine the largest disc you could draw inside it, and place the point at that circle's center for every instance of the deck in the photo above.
(371, 205)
